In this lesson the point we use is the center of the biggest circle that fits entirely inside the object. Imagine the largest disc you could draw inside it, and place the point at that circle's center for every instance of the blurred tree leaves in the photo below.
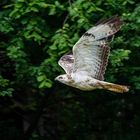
(5, 87)
(34, 35)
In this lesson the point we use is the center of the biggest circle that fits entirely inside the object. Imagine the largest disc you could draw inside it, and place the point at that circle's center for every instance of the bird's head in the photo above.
(65, 79)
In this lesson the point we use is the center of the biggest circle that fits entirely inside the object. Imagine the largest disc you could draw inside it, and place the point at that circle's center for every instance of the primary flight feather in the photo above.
(86, 64)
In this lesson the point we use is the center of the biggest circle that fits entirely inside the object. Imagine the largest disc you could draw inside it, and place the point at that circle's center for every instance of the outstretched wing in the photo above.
(91, 51)
(66, 62)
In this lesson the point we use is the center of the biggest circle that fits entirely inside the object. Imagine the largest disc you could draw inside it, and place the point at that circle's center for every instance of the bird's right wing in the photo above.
(92, 50)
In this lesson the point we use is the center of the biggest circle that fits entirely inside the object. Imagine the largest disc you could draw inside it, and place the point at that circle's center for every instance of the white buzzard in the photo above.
(85, 65)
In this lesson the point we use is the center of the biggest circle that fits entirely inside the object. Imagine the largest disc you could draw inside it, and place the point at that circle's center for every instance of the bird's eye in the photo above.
(60, 77)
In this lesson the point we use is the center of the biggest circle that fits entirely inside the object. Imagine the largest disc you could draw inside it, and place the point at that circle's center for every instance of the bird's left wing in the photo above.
(91, 51)
(66, 62)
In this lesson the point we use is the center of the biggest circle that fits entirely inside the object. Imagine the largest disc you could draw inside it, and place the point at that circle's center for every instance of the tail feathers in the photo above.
(116, 88)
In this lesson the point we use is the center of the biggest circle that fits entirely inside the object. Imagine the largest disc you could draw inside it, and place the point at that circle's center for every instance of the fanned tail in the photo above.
(115, 87)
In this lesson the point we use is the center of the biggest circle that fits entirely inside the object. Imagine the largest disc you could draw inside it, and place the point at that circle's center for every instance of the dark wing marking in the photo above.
(103, 21)
(104, 60)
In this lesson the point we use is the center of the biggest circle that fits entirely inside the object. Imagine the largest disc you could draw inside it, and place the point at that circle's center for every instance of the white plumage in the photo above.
(86, 64)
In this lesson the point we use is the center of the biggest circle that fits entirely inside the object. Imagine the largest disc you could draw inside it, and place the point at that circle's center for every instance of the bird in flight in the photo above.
(85, 66)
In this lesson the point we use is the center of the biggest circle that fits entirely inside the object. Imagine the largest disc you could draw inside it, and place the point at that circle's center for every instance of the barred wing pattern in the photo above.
(91, 51)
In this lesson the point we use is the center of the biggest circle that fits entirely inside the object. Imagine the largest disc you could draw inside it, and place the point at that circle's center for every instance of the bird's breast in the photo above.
(80, 76)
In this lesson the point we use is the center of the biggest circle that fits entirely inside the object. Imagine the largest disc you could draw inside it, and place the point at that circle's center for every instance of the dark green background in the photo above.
(34, 34)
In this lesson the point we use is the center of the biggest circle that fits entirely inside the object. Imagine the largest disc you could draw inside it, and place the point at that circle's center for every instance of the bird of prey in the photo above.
(86, 64)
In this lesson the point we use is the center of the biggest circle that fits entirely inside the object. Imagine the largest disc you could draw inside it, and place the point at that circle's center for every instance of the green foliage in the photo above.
(118, 55)
(4, 87)
(34, 35)
(44, 82)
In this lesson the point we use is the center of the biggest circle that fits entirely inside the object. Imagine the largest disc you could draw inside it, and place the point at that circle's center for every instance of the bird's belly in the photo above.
(84, 82)
(86, 85)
